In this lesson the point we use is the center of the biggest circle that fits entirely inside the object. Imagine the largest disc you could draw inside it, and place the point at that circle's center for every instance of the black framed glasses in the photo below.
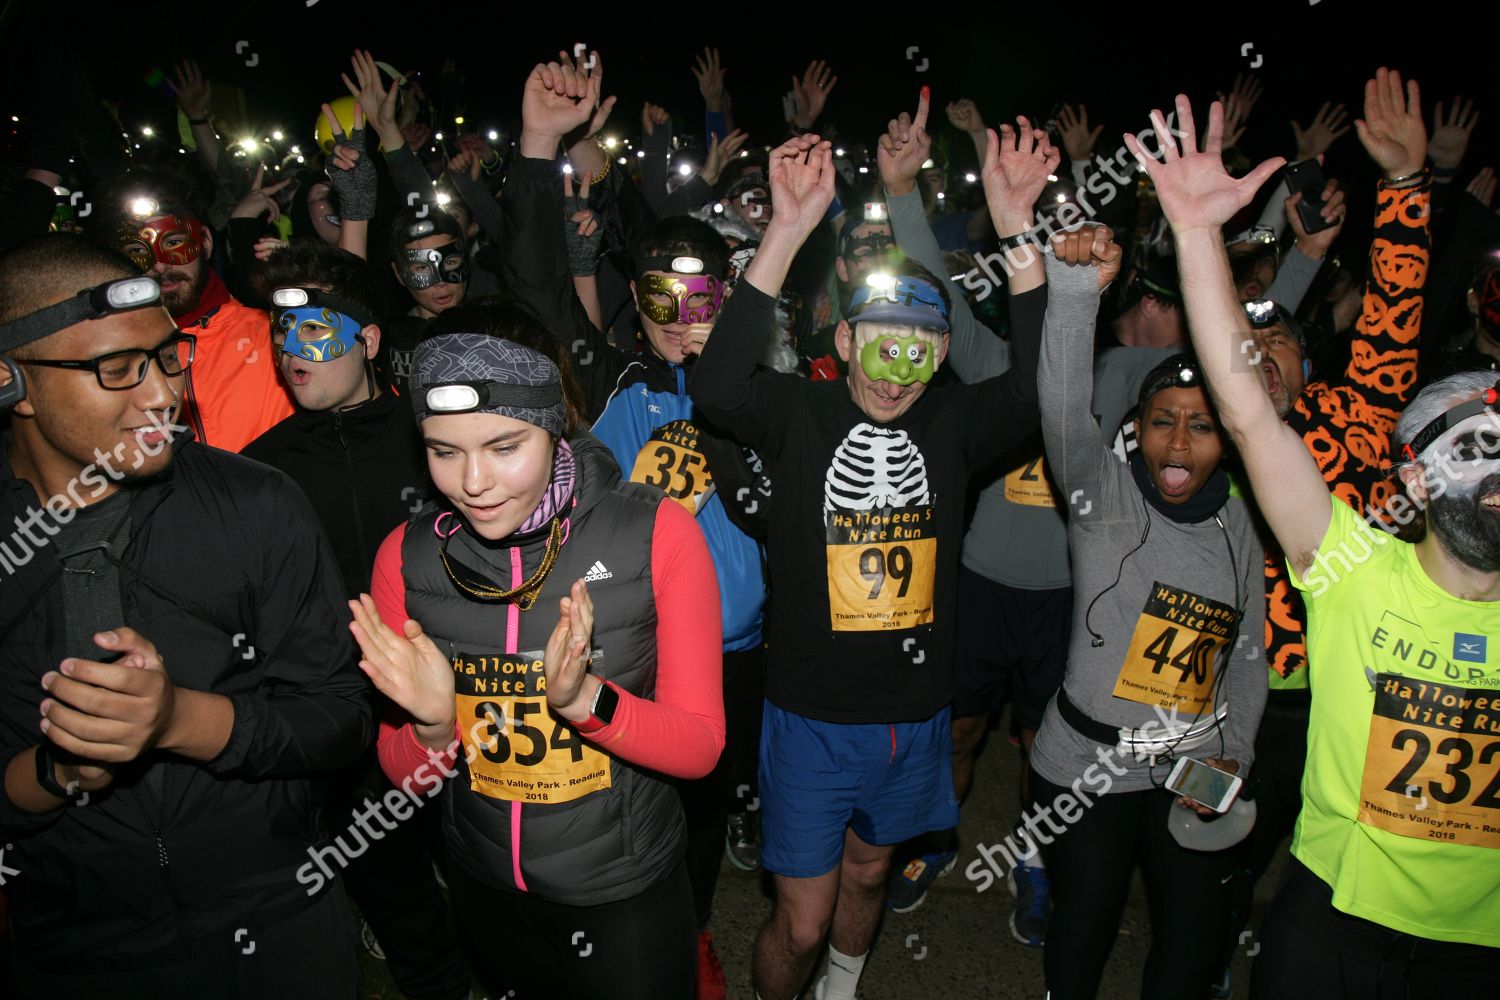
(119, 370)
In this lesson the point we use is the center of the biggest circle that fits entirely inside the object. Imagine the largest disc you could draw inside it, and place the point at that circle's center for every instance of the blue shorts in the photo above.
(888, 781)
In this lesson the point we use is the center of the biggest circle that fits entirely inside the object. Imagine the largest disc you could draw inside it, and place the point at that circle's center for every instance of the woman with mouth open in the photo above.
(1165, 657)
(552, 637)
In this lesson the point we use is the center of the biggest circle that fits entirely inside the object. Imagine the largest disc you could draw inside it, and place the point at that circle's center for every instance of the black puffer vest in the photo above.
(537, 808)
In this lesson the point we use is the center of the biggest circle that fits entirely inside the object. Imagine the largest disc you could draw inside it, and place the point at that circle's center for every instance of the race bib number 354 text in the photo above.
(1432, 766)
(518, 750)
(881, 566)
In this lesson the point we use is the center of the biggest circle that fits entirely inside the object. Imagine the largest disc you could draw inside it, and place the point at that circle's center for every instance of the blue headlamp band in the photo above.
(902, 291)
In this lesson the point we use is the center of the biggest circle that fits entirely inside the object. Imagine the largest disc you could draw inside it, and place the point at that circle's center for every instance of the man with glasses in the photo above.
(233, 394)
(175, 667)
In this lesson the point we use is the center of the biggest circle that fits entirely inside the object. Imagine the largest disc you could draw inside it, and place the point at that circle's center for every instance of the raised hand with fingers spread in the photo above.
(1237, 107)
(904, 147)
(710, 73)
(1193, 188)
(1450, 136)
(1392, 129)
(376, 99)
(1077, 138)
(1328, 124)
(409, 669)
(720, 154)
(810, 93)
(193, 93)
(1017, 164)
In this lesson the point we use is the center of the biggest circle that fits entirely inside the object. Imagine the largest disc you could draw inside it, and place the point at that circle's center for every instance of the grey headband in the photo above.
(477, 373)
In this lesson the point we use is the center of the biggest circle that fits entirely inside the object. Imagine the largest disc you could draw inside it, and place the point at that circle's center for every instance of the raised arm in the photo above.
(973, 350)
(1198, 196)
(1077, 453)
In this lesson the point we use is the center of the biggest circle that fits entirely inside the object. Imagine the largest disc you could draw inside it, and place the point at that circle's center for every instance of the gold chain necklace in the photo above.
(483, 589)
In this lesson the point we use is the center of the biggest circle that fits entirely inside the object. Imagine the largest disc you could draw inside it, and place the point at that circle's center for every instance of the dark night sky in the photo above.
(1121, 60)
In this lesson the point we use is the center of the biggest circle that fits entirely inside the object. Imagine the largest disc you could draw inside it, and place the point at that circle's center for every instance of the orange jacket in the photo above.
(235, 392)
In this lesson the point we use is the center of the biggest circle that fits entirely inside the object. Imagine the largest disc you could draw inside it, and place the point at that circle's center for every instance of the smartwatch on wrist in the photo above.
(47, 779)
(606, 700)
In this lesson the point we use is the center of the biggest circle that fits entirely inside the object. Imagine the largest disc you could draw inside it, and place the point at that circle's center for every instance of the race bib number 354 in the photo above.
(1432, 766)
(1170, 663)
(670, 461)
(881, 566)
(518, 750)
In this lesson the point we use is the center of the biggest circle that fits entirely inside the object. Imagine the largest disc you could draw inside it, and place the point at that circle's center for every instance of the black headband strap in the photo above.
(1450, 418)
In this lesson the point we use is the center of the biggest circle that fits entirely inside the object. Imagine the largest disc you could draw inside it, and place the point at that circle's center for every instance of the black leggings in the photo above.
(526, 948)
(706, 802)
(1091, 864)
(1310, 949)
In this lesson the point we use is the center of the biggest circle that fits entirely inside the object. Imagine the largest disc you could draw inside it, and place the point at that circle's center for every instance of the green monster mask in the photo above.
(898, 360)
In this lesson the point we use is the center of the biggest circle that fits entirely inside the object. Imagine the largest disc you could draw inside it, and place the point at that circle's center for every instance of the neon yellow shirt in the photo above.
(1401, 797)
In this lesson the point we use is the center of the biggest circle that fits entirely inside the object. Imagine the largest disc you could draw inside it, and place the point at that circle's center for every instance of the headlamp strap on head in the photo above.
(522, 397)
(1450, 418)
(135, 292)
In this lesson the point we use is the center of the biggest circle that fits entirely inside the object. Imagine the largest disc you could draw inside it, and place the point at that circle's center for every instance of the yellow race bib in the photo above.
(1432, 764)
(518, 750)
(881, 566)
(1029, 486)
(670, 461)
(1172, 655)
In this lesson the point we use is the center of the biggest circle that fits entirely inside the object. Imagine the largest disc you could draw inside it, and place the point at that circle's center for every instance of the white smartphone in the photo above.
(1204, 784)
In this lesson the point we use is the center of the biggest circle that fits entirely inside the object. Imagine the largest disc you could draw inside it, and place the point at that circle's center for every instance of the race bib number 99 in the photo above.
(670, 461)
(881, 566)
(1432, 766)
(1172, 655)
(518, 750)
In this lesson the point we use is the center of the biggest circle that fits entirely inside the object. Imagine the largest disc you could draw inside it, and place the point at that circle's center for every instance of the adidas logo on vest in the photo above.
(597, 572)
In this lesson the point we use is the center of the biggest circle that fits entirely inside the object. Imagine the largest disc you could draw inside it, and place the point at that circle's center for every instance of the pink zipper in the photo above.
(512, 642)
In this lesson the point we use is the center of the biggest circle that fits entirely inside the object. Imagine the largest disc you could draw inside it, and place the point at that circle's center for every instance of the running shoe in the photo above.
(1033, 891)
(908, 887)
(742, 841)
(367, 938)
(711, 982)
(1224, 988)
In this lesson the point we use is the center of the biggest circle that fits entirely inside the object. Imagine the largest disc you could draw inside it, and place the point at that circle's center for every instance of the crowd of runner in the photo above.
(449, 548)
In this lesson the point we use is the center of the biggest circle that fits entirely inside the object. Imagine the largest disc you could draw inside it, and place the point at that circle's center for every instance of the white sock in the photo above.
(843, 975)
(1033, 856)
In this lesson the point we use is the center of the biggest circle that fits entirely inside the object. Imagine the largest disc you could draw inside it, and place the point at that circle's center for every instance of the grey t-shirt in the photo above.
(1167, 624)
(91, 583)
(1018, 536)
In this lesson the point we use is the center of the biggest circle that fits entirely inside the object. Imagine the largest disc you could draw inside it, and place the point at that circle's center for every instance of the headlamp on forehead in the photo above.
(117, 296)
(420, 228)
(1174, 373)
(875, 211)
(143, 208)
(313, 325)
(1262, 312)
(687, 265)
(466, 397)
(1489, 400)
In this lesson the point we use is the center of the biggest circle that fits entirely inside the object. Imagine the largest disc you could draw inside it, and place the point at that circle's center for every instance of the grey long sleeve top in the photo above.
(1177, 586)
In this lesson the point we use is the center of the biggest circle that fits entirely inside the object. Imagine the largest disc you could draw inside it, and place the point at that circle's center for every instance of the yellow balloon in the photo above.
(343, 110)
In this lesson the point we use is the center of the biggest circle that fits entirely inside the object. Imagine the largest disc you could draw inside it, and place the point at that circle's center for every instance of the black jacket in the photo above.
(227, 573)
(363, 469)
(536, 272)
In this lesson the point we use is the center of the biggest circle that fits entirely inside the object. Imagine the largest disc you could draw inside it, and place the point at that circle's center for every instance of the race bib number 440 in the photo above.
(518, 750)
(1172, 655)
(881, 566)
(1432, 766)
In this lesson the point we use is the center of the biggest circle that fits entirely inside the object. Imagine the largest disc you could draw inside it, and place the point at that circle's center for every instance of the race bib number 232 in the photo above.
(1432, 766)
